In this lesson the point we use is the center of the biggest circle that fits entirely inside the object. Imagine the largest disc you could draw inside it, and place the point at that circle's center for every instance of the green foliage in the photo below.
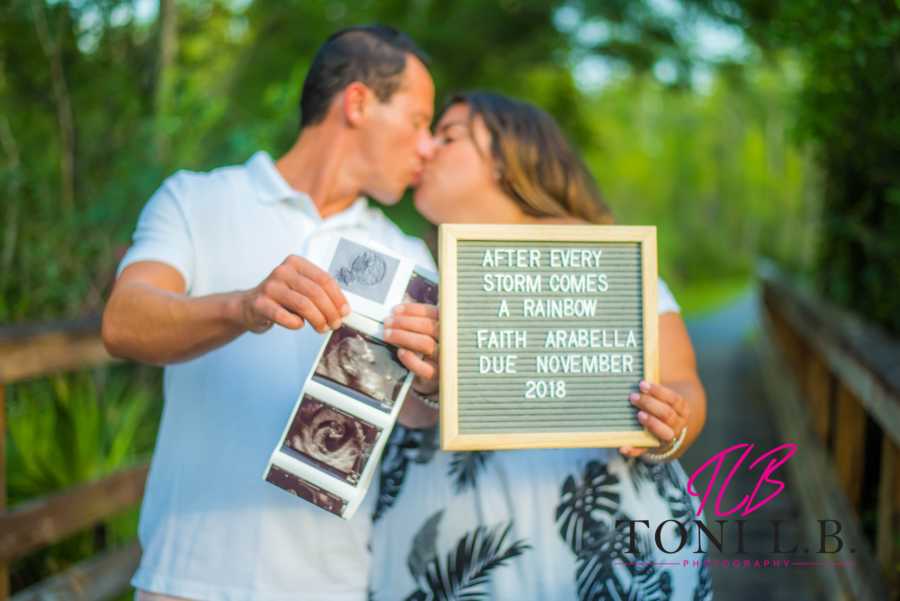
(854, 114)
(72, 429)
(849, 109)
(715, 171)
(703, 297)
(69, 430)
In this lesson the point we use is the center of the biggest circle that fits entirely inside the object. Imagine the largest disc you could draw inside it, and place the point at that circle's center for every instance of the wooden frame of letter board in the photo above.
(449, 235)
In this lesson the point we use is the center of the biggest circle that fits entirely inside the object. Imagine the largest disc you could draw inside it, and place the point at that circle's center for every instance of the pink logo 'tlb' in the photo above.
(747, 504)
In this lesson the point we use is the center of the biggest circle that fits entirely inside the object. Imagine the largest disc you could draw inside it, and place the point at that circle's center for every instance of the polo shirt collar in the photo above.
(270, 187)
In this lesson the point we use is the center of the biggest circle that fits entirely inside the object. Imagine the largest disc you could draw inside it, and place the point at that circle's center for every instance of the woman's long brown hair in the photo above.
(537, 166)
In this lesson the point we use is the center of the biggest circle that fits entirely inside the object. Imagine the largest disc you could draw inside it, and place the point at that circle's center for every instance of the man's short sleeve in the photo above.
(163, 234)
(665, 300)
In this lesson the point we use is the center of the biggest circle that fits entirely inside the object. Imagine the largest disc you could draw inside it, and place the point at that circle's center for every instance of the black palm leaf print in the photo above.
(643, 473)
(424, 445)
(703, 592)
(467, 569)
(392, 472)
(651, 583)
(676, 496)
(668, 485)
(586, 511)
(424, 546)
(464, 468)
(404, 445)
(606, 568)
(614, 573)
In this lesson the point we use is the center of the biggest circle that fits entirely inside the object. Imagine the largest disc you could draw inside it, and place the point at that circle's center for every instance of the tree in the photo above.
(849, 110)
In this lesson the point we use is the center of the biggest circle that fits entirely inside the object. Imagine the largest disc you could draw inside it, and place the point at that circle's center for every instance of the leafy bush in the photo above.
(72, 429)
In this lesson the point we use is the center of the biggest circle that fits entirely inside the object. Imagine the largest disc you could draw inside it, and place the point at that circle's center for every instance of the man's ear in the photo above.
(356, 101)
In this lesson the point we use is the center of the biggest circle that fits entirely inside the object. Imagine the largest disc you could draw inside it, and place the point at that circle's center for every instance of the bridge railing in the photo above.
(834, 385)
(34, 351)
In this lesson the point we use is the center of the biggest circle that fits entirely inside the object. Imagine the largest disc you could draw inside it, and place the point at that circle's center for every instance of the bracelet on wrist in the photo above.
(665, 455)
(430, 400)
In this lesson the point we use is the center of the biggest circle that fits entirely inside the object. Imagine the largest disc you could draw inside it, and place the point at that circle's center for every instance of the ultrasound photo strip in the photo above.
(332, 443)
(340, 424)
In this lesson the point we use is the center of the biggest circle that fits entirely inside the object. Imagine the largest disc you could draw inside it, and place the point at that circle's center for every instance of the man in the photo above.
(220, 286)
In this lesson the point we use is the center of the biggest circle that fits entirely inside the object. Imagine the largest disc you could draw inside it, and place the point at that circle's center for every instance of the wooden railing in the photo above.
(834, 385)
(34, 351)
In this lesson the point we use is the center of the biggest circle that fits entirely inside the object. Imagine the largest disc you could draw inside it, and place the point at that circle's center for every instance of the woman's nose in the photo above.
(427, 146)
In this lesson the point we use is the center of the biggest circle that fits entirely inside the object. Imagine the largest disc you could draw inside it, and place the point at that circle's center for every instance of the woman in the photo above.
(537, 524)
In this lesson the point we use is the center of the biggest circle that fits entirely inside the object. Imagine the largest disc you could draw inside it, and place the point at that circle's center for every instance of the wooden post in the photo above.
(786, 337)
(887, 542)
(818, 387)
(850, 443)
(791, 346)
(4, 571)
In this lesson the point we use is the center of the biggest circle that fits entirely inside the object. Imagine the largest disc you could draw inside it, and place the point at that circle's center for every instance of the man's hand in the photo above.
(294, 293)
(415, 328)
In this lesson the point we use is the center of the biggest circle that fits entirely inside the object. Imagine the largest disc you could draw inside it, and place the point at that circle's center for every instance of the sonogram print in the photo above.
(367, 269)
(364, 365)
(363, 271)
(299, 487)
(332, 439)
(421, 290)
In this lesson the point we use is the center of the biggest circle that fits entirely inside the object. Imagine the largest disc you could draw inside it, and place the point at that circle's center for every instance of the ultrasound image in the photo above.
(364, 365)
(421, 290)
(363, 271)
(332, 439)
(299, 487)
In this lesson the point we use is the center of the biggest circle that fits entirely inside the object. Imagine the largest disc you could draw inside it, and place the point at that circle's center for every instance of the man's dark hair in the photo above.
(374, 55)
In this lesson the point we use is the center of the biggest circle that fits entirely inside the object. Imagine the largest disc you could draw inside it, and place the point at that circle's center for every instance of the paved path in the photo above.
(738, 413)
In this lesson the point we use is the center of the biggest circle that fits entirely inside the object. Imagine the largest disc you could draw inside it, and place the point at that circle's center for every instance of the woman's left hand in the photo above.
(662, 411)
(414, 327)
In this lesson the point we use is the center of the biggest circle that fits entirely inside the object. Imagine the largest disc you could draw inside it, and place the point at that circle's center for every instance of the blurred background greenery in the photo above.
(739, 127)
(685, 123)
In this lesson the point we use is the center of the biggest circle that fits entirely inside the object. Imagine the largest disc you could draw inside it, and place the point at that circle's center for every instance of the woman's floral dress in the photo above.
(533, 524)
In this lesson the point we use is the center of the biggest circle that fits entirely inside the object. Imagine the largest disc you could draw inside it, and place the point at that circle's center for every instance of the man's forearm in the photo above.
(151, 325)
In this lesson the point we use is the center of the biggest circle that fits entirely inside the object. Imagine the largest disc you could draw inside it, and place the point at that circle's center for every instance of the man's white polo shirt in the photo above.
(210, 527)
